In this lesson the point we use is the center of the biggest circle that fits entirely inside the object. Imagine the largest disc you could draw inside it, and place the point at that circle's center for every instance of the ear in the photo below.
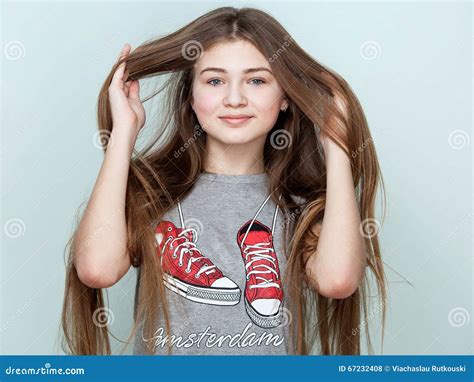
(284, 104)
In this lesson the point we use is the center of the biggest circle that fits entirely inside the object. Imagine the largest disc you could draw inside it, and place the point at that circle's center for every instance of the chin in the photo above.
(237, 137)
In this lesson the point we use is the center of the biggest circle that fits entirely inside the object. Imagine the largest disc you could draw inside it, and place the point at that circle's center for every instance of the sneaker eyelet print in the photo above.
(200, 280)
(192, 275)
(263, 294)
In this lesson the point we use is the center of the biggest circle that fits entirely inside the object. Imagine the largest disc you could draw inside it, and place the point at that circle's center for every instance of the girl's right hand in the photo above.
(124, 97)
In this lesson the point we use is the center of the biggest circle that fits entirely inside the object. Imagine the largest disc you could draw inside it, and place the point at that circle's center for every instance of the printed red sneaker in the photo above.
(263, 294)
(189, 273)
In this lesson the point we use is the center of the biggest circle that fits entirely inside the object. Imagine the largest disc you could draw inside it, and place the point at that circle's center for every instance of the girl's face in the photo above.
(231, 79)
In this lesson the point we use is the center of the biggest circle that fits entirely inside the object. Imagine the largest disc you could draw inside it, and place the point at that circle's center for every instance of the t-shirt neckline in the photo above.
(226, 178)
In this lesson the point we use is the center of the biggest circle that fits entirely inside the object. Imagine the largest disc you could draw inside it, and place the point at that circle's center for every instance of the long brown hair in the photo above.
(161, 174)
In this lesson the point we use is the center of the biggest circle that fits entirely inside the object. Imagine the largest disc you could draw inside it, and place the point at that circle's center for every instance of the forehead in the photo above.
(232, 55)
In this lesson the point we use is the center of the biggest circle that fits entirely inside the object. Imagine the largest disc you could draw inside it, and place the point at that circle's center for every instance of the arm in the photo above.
(338, 266)
(101, 257)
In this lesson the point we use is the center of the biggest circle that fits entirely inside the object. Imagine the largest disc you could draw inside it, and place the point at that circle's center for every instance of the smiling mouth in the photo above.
(235, 121)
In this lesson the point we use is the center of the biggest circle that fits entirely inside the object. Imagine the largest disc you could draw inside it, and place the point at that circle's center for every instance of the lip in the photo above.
(236, 120)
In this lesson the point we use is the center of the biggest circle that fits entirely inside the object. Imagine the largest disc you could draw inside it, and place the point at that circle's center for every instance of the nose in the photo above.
(235, 97)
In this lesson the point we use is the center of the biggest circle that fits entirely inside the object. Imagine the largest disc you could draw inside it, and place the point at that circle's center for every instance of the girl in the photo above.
(250, 222)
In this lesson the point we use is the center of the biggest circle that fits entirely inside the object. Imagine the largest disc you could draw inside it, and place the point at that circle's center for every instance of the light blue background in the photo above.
(415, 93)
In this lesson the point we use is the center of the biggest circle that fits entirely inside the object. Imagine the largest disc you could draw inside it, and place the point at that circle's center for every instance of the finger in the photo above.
(118, 75)
(127, 87)
(123, 55)
(124, 52)
(134, 91)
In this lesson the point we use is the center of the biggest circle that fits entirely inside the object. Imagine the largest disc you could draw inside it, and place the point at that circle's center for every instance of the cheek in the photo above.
(205, 102)
(267, 101)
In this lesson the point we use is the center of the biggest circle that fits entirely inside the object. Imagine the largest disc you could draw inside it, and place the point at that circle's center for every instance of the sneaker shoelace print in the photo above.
(261, 251)
(187, 247)
(258, 252)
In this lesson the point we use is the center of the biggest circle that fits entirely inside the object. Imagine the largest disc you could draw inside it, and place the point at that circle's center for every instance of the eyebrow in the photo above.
(246, 71)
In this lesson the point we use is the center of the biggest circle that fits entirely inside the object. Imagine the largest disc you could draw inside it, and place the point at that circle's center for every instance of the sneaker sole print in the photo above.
(193, 276)
(189, 273)
(263, 294)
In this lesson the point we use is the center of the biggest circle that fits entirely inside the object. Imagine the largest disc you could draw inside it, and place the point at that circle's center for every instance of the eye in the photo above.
(214, 79)
(258, 79)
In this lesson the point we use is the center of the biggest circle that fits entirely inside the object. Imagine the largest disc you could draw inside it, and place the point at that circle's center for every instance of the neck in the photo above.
(241, 159)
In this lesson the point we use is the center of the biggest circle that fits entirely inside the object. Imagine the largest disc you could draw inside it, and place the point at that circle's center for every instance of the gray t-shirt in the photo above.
(224, 268)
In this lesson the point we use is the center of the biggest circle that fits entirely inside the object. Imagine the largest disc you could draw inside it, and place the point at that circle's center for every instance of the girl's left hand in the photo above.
(326, 142)
(329, 146)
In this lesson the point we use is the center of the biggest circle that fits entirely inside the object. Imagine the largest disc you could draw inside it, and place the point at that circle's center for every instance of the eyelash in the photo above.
(254, 79)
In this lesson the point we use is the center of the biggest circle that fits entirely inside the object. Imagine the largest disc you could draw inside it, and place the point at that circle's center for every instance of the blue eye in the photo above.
(214, 79)
(211, 82)
(258, 79)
